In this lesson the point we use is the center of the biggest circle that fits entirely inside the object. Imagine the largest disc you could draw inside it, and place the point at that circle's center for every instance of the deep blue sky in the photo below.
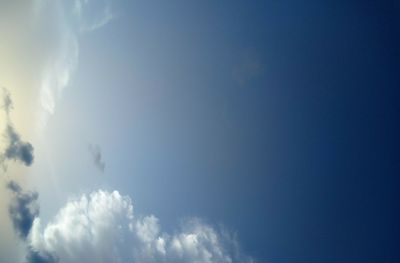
(278, 119)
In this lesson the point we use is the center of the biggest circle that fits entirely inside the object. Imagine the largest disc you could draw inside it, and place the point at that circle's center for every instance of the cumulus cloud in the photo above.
(102, 227)
(96, 154)
(23, 209)
(16, 149)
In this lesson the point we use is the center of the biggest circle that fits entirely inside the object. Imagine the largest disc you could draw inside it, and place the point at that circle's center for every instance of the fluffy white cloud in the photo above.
(101, 227)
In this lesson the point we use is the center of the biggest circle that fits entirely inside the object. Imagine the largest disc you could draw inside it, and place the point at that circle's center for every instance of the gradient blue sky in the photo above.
(275, 119)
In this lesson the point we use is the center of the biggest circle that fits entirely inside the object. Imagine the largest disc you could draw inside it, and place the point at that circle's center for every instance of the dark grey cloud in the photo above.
(23, 209)
(16, 149)
(34, 256)
(95, 151)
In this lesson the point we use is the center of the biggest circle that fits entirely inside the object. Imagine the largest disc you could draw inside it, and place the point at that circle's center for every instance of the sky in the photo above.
(199, 131)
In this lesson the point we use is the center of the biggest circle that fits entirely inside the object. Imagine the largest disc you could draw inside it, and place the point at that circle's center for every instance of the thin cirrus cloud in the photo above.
(92, 14)
(59, 24)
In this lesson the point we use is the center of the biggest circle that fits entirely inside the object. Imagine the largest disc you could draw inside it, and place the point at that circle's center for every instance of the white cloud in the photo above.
(102, 227)
(39, 51)
(60, 23)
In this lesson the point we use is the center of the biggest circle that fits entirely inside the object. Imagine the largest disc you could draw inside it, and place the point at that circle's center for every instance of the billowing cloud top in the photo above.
(101, 227)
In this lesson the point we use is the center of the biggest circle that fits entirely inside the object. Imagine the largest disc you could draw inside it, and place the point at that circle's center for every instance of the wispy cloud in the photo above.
(73, 19)
(92, 14)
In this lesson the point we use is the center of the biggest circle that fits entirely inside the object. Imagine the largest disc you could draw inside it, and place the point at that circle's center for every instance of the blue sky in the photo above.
(273, 121)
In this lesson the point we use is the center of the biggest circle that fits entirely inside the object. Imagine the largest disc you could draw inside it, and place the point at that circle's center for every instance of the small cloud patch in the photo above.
(96, 154)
